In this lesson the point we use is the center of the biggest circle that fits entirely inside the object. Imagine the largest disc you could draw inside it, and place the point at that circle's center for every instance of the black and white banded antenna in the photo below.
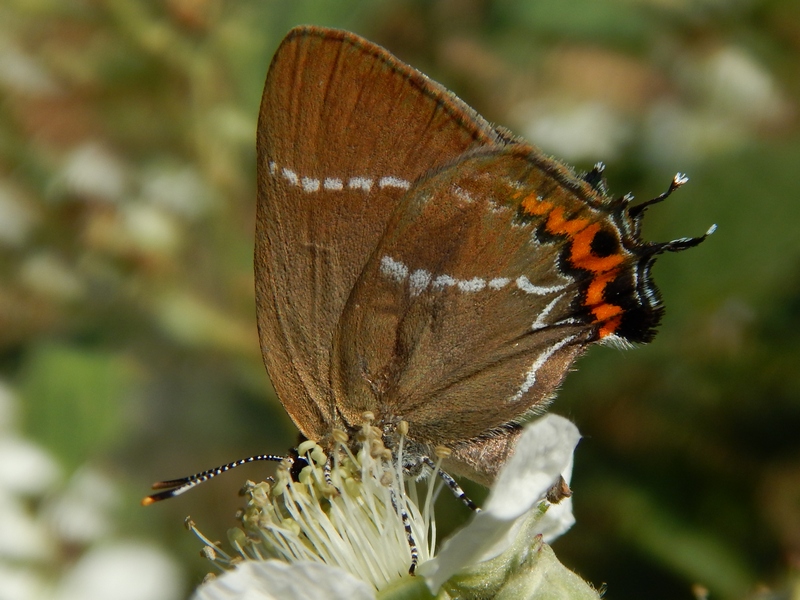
(176, 487)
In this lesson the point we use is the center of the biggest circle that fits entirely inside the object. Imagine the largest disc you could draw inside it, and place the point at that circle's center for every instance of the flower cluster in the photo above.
(59, 535)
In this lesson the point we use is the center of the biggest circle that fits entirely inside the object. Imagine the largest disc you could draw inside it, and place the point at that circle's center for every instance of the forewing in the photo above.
(477, 299)
(344, 130)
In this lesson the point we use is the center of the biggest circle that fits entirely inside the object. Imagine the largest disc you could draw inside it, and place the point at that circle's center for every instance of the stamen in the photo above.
(221, 558)
(374, 527)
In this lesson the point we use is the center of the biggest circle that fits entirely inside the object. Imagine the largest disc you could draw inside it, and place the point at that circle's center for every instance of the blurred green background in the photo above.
(128, 345)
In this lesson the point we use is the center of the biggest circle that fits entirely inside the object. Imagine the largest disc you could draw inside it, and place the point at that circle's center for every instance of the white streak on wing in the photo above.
(462, 194)
(394, 182)
(526, 286)
(335, 184)
(499, 283)
(418, 281)
(360, 183)
(309, 185)
(475, 284)
(539, 323)
(422, 279)
(568, 321)
(496, 208)
(530, 377)
(394, 269)
(290, 176)
(443, 281)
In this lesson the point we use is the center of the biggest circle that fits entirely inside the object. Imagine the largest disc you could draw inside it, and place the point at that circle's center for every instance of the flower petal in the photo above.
(543, 453)
(277, 580)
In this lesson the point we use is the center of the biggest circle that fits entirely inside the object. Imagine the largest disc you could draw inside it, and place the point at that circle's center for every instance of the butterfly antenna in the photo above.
(176, 487)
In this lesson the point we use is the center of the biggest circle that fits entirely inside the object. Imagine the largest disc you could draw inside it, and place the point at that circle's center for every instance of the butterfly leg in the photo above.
(412, 543)
(451, 483)
(326, 473)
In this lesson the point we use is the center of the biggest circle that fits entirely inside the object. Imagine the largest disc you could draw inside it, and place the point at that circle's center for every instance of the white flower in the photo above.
(301, 537)
(123, 570)
(277, 580)
(543, 453)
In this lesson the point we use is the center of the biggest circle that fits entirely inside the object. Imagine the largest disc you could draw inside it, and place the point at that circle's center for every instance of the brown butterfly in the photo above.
(416, 262)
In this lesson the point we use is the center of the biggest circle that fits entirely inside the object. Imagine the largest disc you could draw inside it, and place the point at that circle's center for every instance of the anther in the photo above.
(442, 452)
(305, 447)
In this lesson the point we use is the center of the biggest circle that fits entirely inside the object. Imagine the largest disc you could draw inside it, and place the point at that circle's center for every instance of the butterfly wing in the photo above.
(493, 275)
(344, 130)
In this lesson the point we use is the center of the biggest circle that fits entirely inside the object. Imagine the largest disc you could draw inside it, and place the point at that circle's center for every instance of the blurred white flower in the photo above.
(22, 583)
(93, 170)
(194, 322)
(363, 533)
(25, 468)
(673, 132)
(574, 131)
(22, 74)
(150, 229)
(727, 96)
(46, 274)
(122, 571)
(59, 547)
(23, 537)
(16, 218)
(179, 190)
(83, 512)
(735, 84)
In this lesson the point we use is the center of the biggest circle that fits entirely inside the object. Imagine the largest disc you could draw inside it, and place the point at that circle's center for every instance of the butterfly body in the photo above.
(416, 263)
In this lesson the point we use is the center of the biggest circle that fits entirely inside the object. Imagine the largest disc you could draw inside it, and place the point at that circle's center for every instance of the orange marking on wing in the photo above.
(610, 327)
(536, 207)
(581, 254)
(604, 312)
(557, 223)
(580, 232)
(581, 249)
(594, 294)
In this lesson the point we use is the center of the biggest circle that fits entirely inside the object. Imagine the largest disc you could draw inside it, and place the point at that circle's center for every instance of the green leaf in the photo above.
(75, 400)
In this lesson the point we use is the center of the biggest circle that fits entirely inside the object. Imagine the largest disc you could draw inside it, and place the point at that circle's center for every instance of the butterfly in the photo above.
(417, 264)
